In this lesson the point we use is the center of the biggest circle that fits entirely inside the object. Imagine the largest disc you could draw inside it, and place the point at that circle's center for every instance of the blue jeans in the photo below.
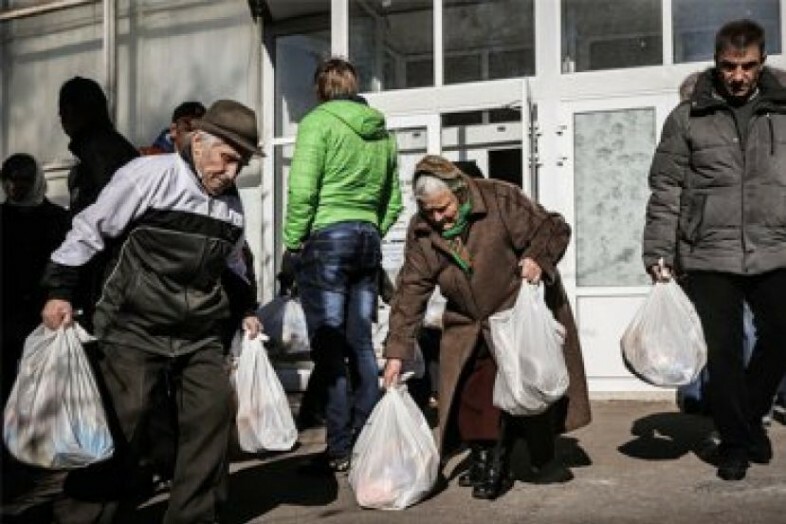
(337, 282)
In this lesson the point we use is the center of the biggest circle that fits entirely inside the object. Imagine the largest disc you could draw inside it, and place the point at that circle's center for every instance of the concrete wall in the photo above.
(168, 51)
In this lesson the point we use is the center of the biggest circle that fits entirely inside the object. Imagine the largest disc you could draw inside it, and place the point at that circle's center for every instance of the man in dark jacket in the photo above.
(101, 151)
(95, 142)
(717, 216)
(179, 222)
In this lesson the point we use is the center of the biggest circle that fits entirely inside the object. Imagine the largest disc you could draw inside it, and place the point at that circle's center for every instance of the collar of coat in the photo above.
(424, 228)
(705, 98)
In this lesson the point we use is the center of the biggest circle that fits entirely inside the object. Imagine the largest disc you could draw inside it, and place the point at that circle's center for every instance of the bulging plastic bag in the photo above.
(395, 461)
(264, 420)
(55, 417)
(284, 322)
(435, 310)
(664, 343)
(528, 341)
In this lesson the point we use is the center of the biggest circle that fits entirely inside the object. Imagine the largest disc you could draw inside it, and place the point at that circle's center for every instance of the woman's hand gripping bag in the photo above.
(55, 417)
(395, 461)
(664, 343)
(528, 342)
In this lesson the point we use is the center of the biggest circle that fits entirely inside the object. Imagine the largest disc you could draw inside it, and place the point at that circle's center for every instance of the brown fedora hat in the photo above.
(232, 122)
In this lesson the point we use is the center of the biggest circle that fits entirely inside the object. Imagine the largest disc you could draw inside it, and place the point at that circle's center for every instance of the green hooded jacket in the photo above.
(345, 168)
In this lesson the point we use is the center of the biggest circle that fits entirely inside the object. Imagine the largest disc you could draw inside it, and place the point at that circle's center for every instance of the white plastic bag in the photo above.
(55, 417)
(664, 343)
(284, 322)
(395, 461)
(531, 370)
(264, 420)
(435, 310)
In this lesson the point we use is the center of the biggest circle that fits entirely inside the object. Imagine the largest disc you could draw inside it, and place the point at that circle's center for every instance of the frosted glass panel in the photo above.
(613, 151)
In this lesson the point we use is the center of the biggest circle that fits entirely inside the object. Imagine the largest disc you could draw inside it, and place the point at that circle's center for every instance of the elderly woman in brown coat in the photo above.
(477, 240)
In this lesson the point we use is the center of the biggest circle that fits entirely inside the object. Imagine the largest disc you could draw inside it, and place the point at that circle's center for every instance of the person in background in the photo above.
(101, 150)
(479, 240)
(175, 137)
(716, 217)
(95, 142)
(343, 197)
(31, 228)
(180, 222)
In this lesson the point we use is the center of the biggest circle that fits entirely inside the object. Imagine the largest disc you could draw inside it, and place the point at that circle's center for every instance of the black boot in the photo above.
(497, 478)
(479, 456)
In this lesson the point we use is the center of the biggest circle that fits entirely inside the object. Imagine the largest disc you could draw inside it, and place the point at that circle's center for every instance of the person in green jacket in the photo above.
(343, 196)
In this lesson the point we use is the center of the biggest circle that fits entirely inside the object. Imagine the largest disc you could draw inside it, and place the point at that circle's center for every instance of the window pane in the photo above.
(391, 43)
(610, 201)
(297, 57)
(607, 34)
(488, 39)
(697, 21)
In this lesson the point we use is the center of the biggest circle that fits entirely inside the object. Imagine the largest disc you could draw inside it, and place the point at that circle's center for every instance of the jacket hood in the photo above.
(366, 121)
(699, 88)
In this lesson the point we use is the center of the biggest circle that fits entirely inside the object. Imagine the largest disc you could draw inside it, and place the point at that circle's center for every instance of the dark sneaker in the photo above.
(323, 464)
(779, 409)
(339, 465)
(709, 447)
(733, 465)
(760, 450)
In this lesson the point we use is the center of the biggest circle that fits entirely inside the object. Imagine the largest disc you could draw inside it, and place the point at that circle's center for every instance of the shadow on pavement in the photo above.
(256, 490)
(667, 436)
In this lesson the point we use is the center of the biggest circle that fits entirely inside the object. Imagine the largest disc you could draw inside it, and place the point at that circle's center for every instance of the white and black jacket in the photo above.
(171, 242)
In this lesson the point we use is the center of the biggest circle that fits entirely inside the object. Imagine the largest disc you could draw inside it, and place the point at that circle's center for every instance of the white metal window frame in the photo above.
(549, 89)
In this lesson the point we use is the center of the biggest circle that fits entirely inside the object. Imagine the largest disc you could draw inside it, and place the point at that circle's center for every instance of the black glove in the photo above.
(290, 262)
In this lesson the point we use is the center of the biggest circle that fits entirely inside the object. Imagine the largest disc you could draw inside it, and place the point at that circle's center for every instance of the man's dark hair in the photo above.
(87, 97)
(18, 165)
(191, 109)
(739, 34)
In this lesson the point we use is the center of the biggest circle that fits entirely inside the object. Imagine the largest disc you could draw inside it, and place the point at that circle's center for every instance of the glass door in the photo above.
(606, 148)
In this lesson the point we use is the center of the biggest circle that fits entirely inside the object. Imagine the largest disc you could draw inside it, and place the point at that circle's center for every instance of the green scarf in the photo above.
(453, 236)
(461, 224)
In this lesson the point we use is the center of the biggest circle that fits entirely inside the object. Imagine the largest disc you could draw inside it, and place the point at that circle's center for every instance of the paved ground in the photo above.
(636, 463)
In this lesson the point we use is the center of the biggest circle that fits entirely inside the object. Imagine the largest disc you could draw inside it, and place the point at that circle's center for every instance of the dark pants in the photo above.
(740, 397)
(202, 395)
(337, 281)
(479, 421)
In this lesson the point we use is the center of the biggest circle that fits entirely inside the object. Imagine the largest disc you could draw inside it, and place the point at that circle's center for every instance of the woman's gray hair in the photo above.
(427, 185)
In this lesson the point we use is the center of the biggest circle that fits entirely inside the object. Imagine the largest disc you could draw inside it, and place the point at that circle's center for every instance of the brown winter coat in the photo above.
(505, 227)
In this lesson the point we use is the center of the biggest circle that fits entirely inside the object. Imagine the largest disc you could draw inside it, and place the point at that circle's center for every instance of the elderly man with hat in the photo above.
(173, 225)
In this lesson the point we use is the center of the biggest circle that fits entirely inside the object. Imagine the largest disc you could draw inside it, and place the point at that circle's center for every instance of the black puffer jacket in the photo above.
(717, 205)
